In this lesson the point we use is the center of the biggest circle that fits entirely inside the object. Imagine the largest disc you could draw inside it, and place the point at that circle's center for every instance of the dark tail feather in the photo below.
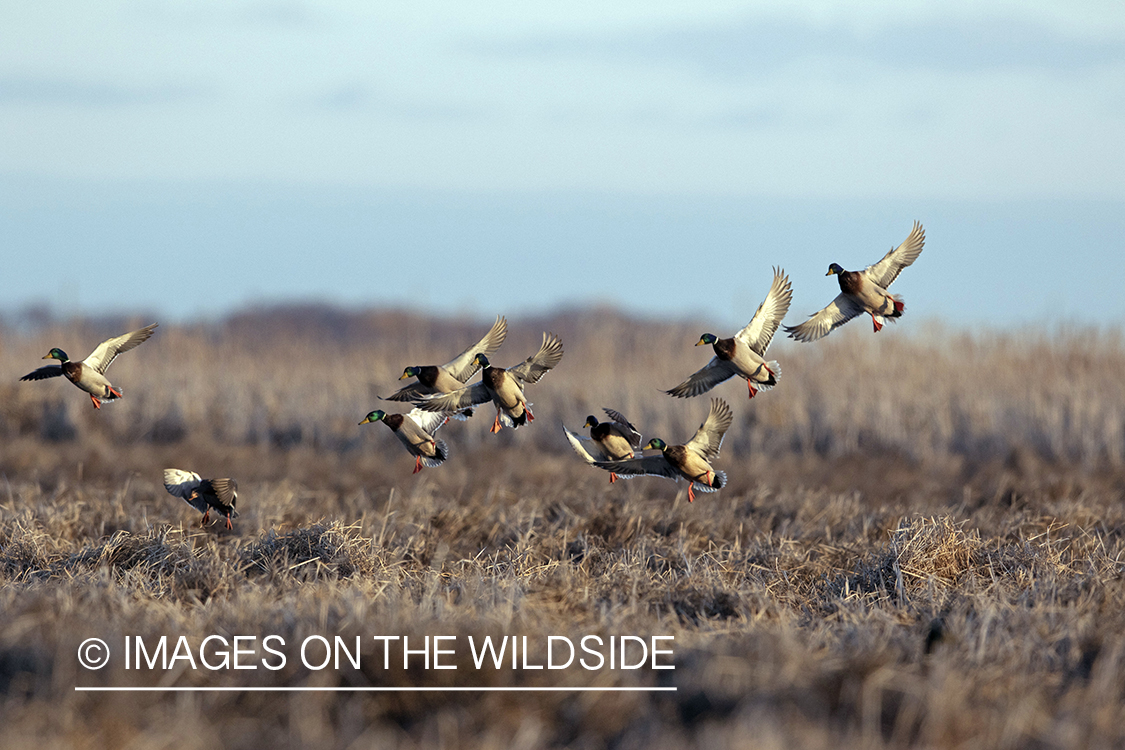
(519, 421)
(720, 480)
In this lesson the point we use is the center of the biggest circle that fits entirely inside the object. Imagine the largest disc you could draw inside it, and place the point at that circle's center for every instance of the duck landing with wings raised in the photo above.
(864, 292)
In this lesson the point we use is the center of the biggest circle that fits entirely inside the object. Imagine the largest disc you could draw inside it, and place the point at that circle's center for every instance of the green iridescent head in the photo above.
(482, 360)
(374, 416)
(410, 372)
(834, 268)
(707, 338)
(58, 354)
(655, 444)
(591, 421)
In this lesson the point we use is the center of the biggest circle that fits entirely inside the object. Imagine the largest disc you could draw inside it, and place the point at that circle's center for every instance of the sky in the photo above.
(193, 158)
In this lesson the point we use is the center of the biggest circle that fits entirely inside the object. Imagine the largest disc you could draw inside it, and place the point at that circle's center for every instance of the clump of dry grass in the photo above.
(322, 550)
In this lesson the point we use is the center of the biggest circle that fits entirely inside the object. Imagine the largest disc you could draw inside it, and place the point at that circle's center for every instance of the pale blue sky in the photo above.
(188, 158)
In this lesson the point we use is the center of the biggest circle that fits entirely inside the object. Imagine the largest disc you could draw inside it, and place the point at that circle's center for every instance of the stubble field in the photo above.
(920, 544)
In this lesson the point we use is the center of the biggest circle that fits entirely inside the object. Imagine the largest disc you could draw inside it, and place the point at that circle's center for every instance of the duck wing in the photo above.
(462, 398)
(102, 357)
(887, 270)
(709, 437)
(704, 379)
(50, 371)
(463, 365)
(653, 466)
(626, 426)
(759, 332)
(536, 366)
(821, 323)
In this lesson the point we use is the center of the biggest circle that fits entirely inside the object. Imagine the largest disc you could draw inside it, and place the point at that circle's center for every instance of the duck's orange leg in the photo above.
(417, 464)
(612, 477)
(116, 393)
(229, 524)
(206, 516)
(690, 493)
(878, 325)
(496, 423)
(530, 416)
(97, 404)
(753, 390)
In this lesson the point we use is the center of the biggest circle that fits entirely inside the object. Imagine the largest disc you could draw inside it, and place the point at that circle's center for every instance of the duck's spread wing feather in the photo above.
(50, 371)
(626, 426)
(709, 437)
(462, 398)
(412, 392)
(181, 483)
(579, 444)
(703, 380)
(536, 366)
(429, 421)
(820, 324)
(226, 489)
(887, 270)
(653, 466)
(107, 351)
(759, 332)
(463, 365)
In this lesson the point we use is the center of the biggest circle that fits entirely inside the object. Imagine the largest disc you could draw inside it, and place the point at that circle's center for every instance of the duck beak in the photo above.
(365, 420)
(701, 342)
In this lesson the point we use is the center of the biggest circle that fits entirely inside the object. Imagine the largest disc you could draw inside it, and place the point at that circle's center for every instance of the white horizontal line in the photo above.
(375, 689)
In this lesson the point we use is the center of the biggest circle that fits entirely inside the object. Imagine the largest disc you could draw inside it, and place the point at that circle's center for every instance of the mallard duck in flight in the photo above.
(415, 430)
(744, 353)
(864, 292)
(615, 440)
(203, 494)
(89, 374)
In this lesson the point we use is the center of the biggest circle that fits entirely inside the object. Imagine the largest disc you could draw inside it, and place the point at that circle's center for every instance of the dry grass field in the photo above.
(921, 543)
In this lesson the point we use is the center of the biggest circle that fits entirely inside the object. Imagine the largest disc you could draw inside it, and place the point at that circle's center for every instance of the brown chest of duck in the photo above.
(394, 421)
(724, 348)
(851, 282)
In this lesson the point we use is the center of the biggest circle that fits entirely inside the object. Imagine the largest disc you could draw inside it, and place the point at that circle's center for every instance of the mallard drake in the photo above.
(434, 379)
(501, 386)
(743, 354)
(89, 374)
(203, 494)
(692, 461)
(415, 431)
(615, 440)
(864, 292)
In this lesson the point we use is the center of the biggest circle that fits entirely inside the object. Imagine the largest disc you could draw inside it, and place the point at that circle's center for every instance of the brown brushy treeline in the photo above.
(920, 545)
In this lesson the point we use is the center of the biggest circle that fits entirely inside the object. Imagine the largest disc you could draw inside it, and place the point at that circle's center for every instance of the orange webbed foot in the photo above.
(875, 321)
(530, 416)
(690, 493)
(612, 477)
(753, 390)
(417, 464)
(229, 524)
(97, 404)
(496, 423)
